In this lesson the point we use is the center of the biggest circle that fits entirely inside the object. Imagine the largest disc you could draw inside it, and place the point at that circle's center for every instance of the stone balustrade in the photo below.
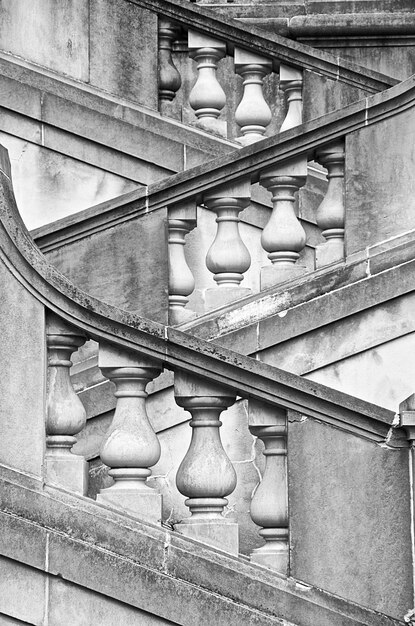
(207, 97)
(130, 448)
(283, 239)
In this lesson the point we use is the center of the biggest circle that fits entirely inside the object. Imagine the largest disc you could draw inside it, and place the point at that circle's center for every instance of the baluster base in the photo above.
(205, 300)
(131, 494)
(273, 555)
(219, 533)
(332, 250)
(277, 273)
(66, 470)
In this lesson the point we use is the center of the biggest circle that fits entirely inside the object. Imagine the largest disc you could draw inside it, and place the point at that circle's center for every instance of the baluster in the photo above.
(331, 212)
(206, 475)
(207, 97)
(130, 446)
(181, 220)
(228, 257)
(168, 75)
(65, 414)
(253, 113)
(291, 83)
(283, 237)
(269, 506)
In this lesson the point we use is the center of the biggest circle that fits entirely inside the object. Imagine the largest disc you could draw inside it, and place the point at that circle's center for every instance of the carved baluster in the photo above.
(253, 113)
(228, 257)
(291, 83)
(65, 414)
(269, 506)
(207, 97)
(130, 446)
(283, 237)
(182, 219)
(168, 75)
(206, 475)
(331, 212)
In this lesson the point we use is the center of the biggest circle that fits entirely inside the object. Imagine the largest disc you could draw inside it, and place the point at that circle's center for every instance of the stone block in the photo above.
(67, 470)
(49, 33)
(272, 275)
(22, 592)
(217, 297)
(350, 515)
(123, 50)
(221, 534)
(328, 253)
(145, 503)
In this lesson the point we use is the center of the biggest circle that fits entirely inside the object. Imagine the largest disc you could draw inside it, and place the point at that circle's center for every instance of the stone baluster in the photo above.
(291, 83)
(206, 475)
(130, 446)
(207, 97)
(331, 212)
(65, 414)
(228, 257)
(253, 113)
(283, 237)
(169, 80)
(181, 220)
(269, 506)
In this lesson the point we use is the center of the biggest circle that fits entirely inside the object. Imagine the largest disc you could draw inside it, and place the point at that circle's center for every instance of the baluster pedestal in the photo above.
(130, 446)
(65, 414)
(283, 237)
(331, 212)
(253, 114)
(228, 258)
(181, 220)
(207, 97)
(269, 507)
(206, 475)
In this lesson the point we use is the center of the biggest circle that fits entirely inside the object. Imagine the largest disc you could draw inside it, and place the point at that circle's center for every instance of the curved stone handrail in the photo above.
(174, 349)
(274, 46)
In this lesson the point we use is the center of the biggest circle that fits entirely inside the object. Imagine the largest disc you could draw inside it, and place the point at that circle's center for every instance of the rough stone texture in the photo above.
(17, 581)
(22, 384)
(124, 265)
(51, 34)
(123, 50)
(49, 185)
(383, 375)
(380, 195)
(349, 516)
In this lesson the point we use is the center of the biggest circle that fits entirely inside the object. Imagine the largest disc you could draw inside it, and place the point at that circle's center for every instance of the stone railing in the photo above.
(132, 352)
(208, 41)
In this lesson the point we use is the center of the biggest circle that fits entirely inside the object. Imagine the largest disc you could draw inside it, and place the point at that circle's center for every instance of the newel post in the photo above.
(331, 212)
(269, 506)
(253, 113)
(206, 475)
(130, 446)
(228, 257)
(65, 414)
(291, 83)
(284, 236)
(169, 80)
(207, 97)
(181, 220)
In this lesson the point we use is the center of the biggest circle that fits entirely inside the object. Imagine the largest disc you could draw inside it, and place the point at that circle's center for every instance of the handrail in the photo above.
(274, 46)
(247, 161)
(174, 349)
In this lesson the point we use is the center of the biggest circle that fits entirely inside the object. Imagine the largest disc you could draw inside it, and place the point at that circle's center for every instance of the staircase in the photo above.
(313, 207)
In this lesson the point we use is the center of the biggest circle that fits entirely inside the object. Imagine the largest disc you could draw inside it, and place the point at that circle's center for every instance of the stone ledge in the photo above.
(148, 563)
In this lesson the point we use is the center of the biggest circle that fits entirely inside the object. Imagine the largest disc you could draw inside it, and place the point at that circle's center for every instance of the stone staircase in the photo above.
(334, 503)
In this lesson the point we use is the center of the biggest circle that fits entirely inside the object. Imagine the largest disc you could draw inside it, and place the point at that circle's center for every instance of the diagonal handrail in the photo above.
(278, 48)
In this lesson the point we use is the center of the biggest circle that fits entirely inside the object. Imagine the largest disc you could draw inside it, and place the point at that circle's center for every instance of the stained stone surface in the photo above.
(350, 519)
